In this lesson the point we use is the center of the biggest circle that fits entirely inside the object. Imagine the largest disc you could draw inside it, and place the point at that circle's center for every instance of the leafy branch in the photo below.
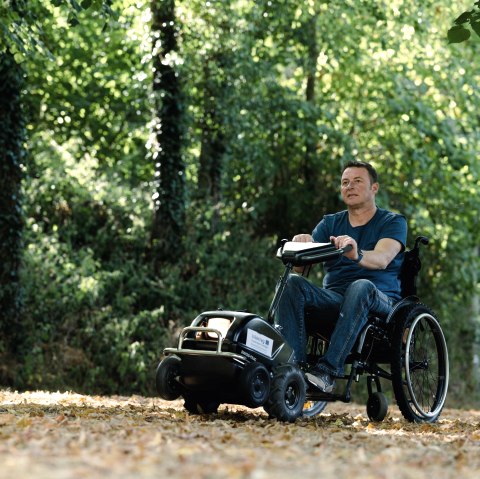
(460, 31)
(21, 26)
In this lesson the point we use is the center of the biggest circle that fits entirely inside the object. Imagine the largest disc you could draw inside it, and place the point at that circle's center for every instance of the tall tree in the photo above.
(169, 195)
(11, 224)
(217, 60)
(311, 71)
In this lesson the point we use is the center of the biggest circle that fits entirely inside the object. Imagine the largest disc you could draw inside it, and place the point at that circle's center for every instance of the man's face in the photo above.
(356, 187)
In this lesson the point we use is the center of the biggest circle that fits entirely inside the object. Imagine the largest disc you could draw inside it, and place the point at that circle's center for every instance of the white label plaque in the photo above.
(259, 342)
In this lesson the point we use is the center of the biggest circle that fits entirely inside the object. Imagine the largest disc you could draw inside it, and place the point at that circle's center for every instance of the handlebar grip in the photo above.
(421, 239)
(347, 248)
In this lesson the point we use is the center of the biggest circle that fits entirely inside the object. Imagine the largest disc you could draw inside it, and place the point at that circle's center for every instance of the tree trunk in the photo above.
(11, 222)
(169, 194)
(212, 146)
(311, 140)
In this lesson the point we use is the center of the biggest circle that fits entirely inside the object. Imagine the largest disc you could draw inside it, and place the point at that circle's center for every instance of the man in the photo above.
(363, 280)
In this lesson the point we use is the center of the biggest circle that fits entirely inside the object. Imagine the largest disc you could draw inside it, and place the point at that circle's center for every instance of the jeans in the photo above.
(351, 308)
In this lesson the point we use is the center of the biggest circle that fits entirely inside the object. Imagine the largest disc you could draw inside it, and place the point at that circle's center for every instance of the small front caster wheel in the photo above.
(377, 406)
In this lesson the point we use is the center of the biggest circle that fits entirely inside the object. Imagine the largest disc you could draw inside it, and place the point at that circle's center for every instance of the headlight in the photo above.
(221, 324)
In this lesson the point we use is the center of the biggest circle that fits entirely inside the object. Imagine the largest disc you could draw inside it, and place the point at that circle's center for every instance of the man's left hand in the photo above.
(344, 240)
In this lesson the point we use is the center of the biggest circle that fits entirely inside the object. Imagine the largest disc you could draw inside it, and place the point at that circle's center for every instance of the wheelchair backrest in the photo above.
(410, 267)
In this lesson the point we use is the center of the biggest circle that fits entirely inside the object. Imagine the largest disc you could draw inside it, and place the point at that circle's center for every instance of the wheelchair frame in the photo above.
(410, 341)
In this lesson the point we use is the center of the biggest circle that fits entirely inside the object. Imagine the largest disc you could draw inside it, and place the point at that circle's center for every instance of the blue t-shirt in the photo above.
(343, 271)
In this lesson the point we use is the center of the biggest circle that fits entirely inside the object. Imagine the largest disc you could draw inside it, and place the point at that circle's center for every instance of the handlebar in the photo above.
(312, 254)
(421, 239)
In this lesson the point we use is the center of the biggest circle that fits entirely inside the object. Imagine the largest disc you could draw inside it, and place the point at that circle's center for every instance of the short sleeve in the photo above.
(395, 228)
(321, 232)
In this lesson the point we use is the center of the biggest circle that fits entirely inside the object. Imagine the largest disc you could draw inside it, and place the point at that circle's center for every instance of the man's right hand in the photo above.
(303, 238)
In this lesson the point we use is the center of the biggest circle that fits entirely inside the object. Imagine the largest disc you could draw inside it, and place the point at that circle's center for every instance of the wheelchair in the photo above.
(407, 348)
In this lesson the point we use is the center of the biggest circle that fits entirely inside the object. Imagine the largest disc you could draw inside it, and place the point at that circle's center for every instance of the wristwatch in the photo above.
(360, 257)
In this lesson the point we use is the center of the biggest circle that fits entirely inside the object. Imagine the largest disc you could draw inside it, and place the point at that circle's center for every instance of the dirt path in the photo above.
(45, 435)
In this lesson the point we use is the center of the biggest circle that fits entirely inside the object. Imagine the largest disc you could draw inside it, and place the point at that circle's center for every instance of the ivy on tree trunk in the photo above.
(169, 194)
(11, 222)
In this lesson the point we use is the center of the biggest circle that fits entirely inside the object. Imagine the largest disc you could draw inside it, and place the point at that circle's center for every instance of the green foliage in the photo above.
(24, 32)
(99, 322)
(89, 292)
(93, 98)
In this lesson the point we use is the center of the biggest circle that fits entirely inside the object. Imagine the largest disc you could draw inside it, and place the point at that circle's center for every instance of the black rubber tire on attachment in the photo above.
(377, 406)
(254, 384)
(201, 406)
(208, 406)
(191, 405)
(166, 378)
(420, 369)
(287, 394)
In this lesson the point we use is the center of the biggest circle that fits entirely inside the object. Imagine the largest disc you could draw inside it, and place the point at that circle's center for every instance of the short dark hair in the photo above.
(372, 172)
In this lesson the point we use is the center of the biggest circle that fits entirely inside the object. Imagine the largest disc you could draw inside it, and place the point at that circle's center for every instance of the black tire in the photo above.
(201, 406)
(419, 364)
(377, 406)
(191, 405)
(287, 394)
(208, 406)
(254, 384)
(166, 378)
(313, 408)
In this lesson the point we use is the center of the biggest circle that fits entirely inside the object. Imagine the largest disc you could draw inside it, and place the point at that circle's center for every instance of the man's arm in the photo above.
(379, 258)
(382, 255)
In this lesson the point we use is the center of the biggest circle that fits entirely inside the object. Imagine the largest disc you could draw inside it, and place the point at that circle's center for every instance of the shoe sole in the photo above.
(312, 379)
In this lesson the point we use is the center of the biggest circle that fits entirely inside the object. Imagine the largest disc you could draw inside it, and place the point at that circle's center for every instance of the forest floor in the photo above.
(66, 435)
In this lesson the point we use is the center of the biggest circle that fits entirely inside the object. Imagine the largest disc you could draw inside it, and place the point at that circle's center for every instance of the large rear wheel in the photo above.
(420, 369)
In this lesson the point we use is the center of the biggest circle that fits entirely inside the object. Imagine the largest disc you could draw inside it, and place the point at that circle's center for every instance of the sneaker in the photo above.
(321, 380)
